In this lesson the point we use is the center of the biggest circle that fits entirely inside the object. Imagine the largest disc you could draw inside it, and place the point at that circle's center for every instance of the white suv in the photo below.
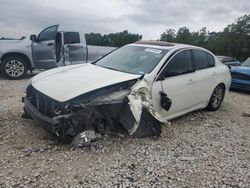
(139, 87)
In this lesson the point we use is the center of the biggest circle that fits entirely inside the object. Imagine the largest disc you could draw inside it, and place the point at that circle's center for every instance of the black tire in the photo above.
(14, 68)
(216, 98)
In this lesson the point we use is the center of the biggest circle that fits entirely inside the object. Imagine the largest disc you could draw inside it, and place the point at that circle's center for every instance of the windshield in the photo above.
(133, 59)
(247, 63)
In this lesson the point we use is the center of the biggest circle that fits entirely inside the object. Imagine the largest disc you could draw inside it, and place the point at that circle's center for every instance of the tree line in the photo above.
(113, 39)
(233, 41)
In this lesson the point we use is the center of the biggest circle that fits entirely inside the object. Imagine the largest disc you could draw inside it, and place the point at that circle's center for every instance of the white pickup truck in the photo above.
(49, 49)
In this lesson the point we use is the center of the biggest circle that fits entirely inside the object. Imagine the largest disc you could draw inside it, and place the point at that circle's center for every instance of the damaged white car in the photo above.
(138, 87)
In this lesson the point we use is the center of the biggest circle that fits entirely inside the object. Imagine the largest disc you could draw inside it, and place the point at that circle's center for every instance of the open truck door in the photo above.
(43, 48)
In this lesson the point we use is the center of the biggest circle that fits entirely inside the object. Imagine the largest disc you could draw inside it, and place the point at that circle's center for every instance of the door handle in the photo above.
(50, 44)
(213, 73)
(190, 82)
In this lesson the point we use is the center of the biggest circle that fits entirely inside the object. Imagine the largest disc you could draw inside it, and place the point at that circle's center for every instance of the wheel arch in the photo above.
(224, 87)
(222, 84)
(219, 83)
(18, 54)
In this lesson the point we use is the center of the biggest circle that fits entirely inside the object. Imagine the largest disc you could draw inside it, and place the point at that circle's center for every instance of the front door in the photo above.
(176, 80)
(43, 48)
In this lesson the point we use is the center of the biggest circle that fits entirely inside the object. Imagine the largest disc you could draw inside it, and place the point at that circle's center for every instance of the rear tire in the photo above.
(216, 98)
(14, 68)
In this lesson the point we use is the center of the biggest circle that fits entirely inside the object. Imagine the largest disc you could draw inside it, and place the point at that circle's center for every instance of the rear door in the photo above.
(43, 49)
(176, 80)
(75, 50)
(205, 76)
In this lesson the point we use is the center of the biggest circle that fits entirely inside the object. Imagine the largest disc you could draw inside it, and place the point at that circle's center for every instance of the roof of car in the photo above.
(153, 42)
(163, 44)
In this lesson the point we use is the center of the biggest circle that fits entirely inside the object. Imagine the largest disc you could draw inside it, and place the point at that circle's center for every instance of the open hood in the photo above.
(65, 83)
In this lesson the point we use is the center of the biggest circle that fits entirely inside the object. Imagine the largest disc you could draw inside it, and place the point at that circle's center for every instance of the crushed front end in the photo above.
(110, 109)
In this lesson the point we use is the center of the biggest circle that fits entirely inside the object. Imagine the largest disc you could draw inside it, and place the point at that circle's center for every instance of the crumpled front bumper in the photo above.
(50, 124)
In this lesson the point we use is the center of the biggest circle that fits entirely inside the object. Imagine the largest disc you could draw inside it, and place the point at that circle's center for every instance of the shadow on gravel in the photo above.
(239, 91)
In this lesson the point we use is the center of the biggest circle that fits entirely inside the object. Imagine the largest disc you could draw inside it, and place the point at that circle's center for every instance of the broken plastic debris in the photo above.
(84, 139)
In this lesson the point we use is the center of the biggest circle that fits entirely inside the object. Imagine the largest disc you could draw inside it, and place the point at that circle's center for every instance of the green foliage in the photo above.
(112, 39)
(233, 41)
(169, 35)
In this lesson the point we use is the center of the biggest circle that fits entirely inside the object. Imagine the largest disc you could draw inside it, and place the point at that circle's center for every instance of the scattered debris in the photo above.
(84, 139)
(34, 149)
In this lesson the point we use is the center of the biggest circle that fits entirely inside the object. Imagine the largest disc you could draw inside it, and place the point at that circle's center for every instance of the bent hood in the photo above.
(65, 83)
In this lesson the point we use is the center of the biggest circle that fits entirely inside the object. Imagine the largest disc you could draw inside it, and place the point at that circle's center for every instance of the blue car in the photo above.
(241, 76)
(229, 61)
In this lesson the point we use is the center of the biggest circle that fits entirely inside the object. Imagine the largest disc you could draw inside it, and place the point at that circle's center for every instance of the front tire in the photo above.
(216, 98)
(14, 68)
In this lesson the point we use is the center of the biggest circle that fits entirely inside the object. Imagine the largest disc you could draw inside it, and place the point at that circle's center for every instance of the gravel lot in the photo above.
(201, 149)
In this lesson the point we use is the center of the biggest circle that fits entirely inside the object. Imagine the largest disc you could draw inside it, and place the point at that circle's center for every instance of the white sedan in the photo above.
(138, 87)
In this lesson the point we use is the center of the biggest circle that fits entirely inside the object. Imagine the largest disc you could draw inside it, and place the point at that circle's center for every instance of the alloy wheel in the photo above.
(217, 97)
(14, 68)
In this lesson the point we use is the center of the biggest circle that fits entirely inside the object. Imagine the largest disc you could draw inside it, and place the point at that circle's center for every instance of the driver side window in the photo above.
(48, 34)
(181, 63)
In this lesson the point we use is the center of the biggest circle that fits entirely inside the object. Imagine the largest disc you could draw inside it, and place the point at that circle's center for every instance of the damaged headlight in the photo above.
(61, 109)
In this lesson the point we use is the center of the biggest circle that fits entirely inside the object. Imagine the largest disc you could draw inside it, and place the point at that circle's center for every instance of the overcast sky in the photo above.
(147, 17)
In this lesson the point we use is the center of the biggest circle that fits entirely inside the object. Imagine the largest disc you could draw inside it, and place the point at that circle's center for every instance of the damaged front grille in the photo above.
(42, 102)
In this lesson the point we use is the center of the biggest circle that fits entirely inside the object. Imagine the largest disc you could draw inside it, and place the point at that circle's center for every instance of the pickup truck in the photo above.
(49, 49)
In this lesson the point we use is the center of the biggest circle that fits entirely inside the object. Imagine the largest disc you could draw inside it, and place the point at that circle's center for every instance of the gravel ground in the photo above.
(201, 149)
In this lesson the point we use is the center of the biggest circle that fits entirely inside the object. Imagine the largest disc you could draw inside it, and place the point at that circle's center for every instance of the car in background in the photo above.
(229, 61)
(241, 76)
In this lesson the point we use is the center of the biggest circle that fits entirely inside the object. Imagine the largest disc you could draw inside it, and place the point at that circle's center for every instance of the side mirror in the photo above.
(33, 37)
(165, 101)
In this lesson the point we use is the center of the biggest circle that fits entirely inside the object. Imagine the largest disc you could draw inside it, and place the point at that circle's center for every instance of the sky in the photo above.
(149, 18)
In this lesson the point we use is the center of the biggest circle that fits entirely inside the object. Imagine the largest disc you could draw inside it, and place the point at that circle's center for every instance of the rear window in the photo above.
(202, 60)
(211, 60)
(71, 38)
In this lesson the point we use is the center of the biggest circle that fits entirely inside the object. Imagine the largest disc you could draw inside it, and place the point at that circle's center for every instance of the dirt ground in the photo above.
(201, 149)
